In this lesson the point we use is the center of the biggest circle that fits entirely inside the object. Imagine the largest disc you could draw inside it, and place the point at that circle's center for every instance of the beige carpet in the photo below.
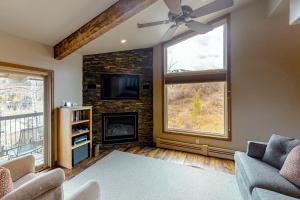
(125, 176)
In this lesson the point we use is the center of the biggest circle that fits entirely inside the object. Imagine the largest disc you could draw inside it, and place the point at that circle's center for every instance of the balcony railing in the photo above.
(21, 135)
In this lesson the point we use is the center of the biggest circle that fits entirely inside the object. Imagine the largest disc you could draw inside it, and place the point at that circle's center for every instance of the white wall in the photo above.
(67, 72)
(265, 75)
(265, 79)
(275, 7)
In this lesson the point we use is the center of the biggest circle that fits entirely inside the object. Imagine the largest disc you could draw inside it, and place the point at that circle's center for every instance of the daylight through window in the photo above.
(196, 84)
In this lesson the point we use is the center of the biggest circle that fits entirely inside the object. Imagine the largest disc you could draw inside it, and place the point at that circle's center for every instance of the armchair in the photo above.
(29, 185)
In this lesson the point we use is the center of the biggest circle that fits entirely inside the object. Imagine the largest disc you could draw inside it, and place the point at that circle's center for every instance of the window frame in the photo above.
(218, 75)
(48, 77)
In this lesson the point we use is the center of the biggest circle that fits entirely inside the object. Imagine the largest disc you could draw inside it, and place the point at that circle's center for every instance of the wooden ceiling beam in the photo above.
(110, 18)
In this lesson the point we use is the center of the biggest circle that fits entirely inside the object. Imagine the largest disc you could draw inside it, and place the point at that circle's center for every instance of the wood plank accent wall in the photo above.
(110, 18)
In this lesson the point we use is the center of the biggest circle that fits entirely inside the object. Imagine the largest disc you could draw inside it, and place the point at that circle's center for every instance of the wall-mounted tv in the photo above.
(120, 86)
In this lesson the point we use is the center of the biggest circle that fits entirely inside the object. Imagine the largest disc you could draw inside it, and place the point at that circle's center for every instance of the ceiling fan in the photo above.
(183, 14)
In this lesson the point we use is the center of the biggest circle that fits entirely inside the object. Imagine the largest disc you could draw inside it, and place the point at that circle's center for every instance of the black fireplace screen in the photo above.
(119, 127)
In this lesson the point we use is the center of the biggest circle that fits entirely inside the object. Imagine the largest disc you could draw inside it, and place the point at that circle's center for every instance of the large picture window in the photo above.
(197, 84)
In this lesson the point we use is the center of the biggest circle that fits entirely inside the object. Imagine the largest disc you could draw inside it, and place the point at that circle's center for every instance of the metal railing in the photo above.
(21, 135)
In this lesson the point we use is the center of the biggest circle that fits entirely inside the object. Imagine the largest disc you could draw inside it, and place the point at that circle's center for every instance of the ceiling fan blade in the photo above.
(199, 27)
(212, 7)
(144, 25)
(174, 6)
(169, 34)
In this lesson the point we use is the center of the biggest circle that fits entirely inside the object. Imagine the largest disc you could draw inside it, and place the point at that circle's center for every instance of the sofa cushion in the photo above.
(262, 194)
(291, 167)
(6, 184)
(24, 179)
(277, 150)
(256, 149)
(259, 174)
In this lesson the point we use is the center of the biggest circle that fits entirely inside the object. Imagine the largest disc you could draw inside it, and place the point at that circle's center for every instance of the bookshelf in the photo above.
(73, 122)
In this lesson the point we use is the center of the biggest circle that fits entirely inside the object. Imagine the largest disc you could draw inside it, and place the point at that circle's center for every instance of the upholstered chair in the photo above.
(29, 185)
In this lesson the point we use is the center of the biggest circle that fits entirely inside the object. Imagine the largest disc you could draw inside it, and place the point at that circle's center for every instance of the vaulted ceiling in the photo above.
(147, 37)
(49, 22)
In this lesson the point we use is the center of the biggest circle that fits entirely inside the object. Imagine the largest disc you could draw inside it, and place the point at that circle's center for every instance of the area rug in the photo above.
(125, 176)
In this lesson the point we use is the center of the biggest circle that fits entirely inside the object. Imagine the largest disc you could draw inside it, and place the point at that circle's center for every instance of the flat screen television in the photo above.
(120, 86)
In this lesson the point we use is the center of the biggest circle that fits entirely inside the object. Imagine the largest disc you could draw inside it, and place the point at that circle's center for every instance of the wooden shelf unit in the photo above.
(65, 125)
(81, 122)
(74, 134)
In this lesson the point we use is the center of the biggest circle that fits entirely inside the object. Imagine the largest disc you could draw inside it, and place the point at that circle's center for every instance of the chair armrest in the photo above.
(38, 186)
(21, 166)
(256, 149)
(90, 190)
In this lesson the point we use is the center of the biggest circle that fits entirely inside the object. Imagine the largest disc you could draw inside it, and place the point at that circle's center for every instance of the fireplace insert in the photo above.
(119, 127)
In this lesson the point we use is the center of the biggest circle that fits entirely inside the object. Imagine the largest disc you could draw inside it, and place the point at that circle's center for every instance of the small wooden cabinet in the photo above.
(73, 122)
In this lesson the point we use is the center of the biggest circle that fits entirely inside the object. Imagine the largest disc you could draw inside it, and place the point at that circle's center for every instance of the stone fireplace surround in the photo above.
(137, 62)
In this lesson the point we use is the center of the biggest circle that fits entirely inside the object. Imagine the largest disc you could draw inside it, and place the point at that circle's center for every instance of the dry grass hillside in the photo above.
(198, 107)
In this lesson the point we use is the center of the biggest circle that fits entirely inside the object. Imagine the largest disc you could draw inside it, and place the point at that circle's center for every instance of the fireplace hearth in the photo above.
(119, 127)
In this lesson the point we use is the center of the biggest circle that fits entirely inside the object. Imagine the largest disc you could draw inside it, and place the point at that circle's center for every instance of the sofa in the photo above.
(29, 185)
(258, 180)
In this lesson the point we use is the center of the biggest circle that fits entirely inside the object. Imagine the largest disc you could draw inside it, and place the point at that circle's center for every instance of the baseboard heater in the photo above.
(196, 148)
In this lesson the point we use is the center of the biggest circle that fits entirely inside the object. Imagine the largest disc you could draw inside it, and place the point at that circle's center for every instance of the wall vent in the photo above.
(221, 153)
(195, 148)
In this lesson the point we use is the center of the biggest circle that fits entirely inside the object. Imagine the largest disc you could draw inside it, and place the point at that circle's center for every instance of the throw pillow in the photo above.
(6, 184)
(277, 150)
(291, 167)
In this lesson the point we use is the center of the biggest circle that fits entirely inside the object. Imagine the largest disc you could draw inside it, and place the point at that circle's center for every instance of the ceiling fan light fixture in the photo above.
(199, 27)
(182, 14)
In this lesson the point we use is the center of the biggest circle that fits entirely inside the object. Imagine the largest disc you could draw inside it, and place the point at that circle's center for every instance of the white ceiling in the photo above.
(50, 21)
(147, 37)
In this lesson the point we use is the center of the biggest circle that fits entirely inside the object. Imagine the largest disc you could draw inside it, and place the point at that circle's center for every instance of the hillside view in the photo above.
(196, 107)
(20, 96)
(21, 117)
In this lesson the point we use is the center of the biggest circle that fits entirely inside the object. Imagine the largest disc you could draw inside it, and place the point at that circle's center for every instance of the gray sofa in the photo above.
(258, 180)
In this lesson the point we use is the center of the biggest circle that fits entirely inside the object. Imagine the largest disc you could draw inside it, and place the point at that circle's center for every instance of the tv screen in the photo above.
(120, 86)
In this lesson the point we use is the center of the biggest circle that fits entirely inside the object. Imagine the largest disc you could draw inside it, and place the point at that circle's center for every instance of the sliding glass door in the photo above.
(23, 117)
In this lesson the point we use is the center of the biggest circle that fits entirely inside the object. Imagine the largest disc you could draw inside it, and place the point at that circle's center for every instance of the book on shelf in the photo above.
(78, 115)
